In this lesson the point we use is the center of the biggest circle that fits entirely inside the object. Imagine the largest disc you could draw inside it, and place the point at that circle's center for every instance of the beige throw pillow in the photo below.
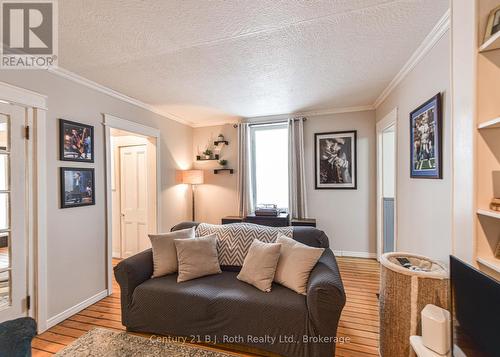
(296, 262)
(197, 257)
(164, 254)
(260, 264)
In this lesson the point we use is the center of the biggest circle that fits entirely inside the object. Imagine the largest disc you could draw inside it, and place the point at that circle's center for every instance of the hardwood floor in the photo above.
(359, 321)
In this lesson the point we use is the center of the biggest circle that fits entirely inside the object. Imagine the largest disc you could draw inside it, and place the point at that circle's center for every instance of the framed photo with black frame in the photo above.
(77, 187)
(76, 141)
(335, 160)
(426, 146)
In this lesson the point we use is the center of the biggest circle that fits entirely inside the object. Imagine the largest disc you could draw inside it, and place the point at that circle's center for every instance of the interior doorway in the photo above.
(386, 184)
(132, 188)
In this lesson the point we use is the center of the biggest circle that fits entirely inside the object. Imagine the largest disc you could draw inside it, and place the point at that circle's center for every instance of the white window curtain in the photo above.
(245, 195)
(297, 200)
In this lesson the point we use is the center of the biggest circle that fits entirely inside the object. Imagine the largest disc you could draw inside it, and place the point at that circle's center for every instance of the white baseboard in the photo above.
(75, 309)
(346, 253)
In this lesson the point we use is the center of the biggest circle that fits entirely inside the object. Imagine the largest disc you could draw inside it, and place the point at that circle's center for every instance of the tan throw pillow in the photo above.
(197, 257)
(296, 262)
(164, 254)
(260, 264)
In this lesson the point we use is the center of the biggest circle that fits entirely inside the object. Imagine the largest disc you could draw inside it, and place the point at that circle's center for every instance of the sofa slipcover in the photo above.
(222, 309)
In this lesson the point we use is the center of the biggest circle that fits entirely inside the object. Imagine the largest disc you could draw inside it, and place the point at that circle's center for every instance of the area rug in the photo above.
(100, 342)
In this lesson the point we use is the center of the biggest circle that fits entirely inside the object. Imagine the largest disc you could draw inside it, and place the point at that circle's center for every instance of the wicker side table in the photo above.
(403, 295)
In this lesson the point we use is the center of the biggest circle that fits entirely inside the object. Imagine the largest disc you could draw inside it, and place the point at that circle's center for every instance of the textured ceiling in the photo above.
(210, 61)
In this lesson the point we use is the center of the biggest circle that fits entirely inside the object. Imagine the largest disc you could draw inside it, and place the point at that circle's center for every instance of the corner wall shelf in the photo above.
(216, 171)
(488, 213)
(199, 158)
(490, 124)
(216, 143)
(491, 263)
(491, 44)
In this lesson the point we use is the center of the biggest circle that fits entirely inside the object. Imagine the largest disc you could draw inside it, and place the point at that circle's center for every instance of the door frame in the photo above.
(36, 109)
(114, 122)
(391, 119)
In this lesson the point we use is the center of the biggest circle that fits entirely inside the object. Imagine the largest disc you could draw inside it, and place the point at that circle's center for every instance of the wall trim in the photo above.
(76, 309)
(109, 122)
(442, 26)
(113, 93)
(21, 96)
(128, 125)
(347, 253)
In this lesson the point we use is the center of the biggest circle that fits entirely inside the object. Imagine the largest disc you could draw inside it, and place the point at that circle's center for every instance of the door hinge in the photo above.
(27, 132)
(28, 302)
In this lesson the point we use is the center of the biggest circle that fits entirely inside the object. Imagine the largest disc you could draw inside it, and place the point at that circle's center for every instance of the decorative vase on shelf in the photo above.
(223, 163)
(220, 137)
(207, 154)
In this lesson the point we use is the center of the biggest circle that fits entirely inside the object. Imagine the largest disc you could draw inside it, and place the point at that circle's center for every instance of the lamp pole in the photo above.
(193, 190)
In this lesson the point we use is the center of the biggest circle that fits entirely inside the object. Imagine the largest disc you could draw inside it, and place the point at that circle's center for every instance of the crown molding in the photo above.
(427, 44)
(215, 123)
(312, 113)
(115, 94)
(271, 117)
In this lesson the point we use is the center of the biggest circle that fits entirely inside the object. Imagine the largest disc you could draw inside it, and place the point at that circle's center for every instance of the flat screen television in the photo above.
(475, 299)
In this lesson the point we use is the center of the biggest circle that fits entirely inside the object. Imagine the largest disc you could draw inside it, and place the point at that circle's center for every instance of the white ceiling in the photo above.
(211, 61)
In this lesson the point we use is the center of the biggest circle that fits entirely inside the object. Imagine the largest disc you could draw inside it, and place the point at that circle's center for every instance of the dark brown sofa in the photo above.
(221, 309)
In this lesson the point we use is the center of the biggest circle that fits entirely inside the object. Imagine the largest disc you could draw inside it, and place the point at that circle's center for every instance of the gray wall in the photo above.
(76, 245)
(347, 216)
(424, 210)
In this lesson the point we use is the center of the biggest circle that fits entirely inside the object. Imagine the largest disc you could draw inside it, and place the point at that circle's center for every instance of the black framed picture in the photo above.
(76, 141)
(77, 187)
(335, 157)
(426, 140)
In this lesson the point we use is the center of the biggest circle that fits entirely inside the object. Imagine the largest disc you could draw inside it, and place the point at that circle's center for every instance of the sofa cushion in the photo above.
(164, 252)
(295, 264)
(197, 257)
(218, 305)
(234, 240)
(260, 265)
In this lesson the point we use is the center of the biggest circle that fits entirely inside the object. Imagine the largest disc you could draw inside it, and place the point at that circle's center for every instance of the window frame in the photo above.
(253, 129)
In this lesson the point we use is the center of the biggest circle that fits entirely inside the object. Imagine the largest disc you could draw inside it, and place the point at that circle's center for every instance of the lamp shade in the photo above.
(192, 177)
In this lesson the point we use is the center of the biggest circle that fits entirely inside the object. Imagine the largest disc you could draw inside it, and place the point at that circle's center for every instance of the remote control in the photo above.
(404, 262)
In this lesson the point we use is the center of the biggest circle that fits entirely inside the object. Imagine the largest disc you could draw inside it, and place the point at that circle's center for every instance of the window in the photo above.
(270, 164)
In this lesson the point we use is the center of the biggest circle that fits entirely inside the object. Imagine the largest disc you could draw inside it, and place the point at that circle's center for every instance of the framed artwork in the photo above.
(335, 157)
(426, 140)
(77, 187)
(493, 25)
(76, 141)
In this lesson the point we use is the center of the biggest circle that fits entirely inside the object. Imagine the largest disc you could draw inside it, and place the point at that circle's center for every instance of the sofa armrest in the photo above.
(184, 225)
(325, 295)
(129, 274)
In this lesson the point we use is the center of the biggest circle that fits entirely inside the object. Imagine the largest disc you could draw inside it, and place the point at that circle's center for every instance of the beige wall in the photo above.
(424, 207)
(347, 216)
(76, 245)
(217, 197)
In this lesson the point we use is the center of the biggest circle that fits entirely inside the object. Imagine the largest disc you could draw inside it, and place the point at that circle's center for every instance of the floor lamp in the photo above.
(193, 178)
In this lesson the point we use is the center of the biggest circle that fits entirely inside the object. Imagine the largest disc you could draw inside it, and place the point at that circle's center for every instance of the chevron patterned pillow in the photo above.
(234, 240)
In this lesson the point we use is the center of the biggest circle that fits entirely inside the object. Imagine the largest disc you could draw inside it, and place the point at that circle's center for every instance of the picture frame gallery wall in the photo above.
(77, 184)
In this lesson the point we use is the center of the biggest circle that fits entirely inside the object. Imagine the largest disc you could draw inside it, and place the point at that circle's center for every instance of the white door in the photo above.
(13, 213)
(133, 200)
